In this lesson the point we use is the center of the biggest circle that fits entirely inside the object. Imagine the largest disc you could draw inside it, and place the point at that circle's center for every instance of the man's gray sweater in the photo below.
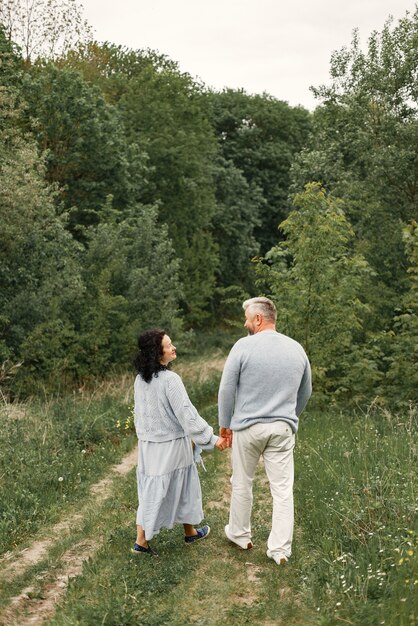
(267, 377)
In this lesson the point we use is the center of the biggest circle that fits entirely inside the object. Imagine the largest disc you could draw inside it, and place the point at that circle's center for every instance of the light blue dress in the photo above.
(168, 485)
(166, 422)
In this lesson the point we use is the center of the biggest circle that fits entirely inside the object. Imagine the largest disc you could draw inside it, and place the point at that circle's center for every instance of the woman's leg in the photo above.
(140, 537)
(189, 530)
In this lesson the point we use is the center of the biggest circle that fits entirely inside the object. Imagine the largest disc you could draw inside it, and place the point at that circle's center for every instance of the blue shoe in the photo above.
(137, 549)
(201, 534)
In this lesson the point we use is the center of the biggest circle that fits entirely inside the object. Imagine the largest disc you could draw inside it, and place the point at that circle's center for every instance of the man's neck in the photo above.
(266, 326)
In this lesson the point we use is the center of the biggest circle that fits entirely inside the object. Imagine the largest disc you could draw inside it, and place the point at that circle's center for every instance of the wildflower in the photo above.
(60, 479)
(400, 561)
(410, 553)
(83, 452)
(338, 604)
(118, 424)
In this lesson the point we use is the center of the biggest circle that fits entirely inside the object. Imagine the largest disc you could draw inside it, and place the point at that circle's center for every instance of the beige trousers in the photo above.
(273, 441)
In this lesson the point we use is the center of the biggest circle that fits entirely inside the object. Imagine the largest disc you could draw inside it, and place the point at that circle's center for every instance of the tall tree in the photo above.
(316, 279)
(260, 135)
(39, 268)
(401, 343)
(163, 113)
(234, 224)
(132, 282)
(365, 149)
(83, 137)
(44, 28)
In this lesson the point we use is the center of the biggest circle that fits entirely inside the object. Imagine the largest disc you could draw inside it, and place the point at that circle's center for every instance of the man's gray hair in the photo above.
(261, 305)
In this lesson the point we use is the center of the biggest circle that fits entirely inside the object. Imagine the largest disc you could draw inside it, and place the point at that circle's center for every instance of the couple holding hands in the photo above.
(265, 385)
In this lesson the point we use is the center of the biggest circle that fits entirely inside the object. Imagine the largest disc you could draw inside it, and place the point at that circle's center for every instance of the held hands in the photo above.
(226, 433)
(221, 444)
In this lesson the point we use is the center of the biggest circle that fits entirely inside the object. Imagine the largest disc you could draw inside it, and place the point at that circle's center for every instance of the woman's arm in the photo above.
(192, 423)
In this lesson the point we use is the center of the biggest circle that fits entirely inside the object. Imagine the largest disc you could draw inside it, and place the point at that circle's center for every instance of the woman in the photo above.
(166, 422)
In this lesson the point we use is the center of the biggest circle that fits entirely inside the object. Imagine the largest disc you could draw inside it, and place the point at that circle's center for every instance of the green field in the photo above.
(355, 546)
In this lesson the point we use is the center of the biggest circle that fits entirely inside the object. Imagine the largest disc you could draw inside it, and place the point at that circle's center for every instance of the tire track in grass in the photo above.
(22, 609)
(37, 603)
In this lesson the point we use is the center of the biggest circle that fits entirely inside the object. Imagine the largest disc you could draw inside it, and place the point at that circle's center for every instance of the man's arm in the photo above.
(305, 389)
(228, 387)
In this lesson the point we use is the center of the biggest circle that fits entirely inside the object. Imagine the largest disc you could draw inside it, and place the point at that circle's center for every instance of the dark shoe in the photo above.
(137, 549)
(201, 534)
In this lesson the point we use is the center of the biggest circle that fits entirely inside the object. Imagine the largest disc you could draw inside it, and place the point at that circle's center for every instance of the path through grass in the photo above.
(355, 546)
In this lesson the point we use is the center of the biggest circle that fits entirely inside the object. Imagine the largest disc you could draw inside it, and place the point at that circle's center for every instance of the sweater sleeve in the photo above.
(305, 389)
(192, 423)
(228, 387)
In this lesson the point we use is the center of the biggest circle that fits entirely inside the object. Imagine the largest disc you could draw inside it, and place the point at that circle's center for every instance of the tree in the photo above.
(39, 269)
(163, 113)
(364, 149)
(234, 224)
(44, 28)
(83, 137)
(260, 135)
(401, 380)
(132, 283)
(316, 279)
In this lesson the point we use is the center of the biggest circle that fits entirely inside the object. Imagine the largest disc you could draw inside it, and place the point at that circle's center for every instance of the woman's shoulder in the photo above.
(170, 376)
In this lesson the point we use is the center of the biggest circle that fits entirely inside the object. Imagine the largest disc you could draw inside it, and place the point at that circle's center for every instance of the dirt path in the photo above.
(23, 610)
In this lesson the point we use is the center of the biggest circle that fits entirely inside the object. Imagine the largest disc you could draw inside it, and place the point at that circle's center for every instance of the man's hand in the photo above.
(226, 433)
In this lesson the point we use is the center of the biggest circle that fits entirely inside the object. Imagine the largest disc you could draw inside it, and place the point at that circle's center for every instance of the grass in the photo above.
(50, 455)
(356, 505)
(355, 547)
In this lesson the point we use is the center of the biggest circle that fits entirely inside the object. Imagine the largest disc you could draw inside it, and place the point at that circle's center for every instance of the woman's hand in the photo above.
(221, 444)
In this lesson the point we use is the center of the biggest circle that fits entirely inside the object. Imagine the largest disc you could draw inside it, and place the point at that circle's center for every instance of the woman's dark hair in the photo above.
(150, 351)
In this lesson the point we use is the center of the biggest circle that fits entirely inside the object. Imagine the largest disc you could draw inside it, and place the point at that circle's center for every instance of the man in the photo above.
(265, 386)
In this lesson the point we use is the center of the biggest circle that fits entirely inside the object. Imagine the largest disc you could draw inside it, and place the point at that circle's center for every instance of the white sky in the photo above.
(281, 47)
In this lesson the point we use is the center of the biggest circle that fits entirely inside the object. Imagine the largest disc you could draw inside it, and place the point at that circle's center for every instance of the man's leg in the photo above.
(278, 461)
(246, 452)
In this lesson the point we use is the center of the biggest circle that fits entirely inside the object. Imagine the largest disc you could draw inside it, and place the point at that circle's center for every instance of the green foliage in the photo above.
(131, 197)
(315, 278)
(234, 224)
(68, 310)
(401, 381)
(131, 278)
(260, 135)
(39, 271)
(86, 150)
(364, 149)
(163, 113)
